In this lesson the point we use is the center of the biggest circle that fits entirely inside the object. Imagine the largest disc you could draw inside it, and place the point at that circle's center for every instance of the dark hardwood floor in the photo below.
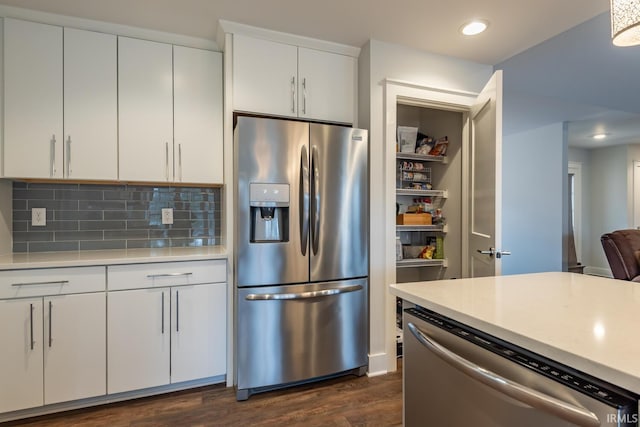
(345, 401)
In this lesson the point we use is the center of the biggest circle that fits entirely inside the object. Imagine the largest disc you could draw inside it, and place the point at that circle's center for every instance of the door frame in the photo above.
(403, 92)
(575, 169)
(636, 194)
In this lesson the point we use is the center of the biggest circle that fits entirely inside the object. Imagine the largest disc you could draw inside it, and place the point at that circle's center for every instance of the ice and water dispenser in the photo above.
(269, 216)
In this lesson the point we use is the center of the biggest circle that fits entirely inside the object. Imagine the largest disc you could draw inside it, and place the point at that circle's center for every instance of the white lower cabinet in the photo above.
(75, 347)
(165, 334)
(21, 354)
(53, 350)
(138, 352)
(198, 337)
(65, 336)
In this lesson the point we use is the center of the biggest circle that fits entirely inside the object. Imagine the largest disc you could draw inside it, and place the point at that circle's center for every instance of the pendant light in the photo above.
(625, 22)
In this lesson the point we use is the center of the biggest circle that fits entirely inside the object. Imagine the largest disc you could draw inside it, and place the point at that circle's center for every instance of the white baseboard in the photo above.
(598, 271)
(377, 364)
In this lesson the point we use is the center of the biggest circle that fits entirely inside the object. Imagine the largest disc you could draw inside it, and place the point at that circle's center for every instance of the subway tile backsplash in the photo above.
(92, 217)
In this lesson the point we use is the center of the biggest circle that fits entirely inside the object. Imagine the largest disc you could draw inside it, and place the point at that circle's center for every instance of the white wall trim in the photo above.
(228, 194)
(286, 38)
(106, 27)
(636, 194)
(377, 364)
(408, 84)
(394, 92)
(575, 168)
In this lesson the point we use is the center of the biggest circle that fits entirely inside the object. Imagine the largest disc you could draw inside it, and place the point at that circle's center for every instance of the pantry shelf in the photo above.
(418, 262)
(424, 193)
(421, 157)
(433, 228)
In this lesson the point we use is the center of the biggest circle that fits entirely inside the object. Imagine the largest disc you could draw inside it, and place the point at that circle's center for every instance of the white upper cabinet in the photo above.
(90, 105)
(326, 88)
(59, 127)
(145, 92)
(32, 100)
(264, 76)
(285, 80)
(197, 109)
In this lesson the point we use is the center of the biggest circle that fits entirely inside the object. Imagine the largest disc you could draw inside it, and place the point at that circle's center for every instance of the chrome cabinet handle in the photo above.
(177, 311)
(162, 309)
(151, 276)
(31, 325)
(166, 156)
(519, 392)
(293, 94)
(50, 323)
(56, 282)
(180, 160)
(304, 200)
(303, 295)
(304, 95)
(53, 155)
(315, 200)
(69, 155)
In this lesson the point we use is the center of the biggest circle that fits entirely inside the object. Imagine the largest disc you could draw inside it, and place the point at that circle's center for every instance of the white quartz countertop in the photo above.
(108, 257)
(589, 323)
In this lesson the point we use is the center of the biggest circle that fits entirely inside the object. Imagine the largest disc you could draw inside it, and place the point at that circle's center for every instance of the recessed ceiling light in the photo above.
(599, 136)
(474, 27)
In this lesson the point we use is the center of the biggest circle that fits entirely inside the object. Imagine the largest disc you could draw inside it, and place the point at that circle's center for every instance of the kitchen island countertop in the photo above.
(108, 257)
(589, 323)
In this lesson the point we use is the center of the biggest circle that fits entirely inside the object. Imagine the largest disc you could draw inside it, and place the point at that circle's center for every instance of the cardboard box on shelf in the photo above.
(414, 219)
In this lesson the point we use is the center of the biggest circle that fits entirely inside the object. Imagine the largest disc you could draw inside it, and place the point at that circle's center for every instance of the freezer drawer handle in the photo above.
(526, 395)
(56, 282)
(303, 295)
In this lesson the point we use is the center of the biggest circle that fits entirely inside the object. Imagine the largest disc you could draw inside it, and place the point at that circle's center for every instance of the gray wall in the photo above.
(91, 217)
(532, 200)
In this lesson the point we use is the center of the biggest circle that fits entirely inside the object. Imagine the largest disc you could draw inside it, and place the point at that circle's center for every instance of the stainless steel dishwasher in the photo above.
(454, 375)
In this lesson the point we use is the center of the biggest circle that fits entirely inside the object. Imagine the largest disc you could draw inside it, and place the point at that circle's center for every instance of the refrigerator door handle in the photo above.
(315, 199)
(303, 295)
(304, 200)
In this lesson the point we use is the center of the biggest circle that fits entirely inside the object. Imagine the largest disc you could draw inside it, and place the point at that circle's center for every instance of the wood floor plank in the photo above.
(342, 402)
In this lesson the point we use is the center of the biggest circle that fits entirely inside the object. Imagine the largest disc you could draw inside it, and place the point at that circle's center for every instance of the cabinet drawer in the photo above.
(51, 281)
(152, 275)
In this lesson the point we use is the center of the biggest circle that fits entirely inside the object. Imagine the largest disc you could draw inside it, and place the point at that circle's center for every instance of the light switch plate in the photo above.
(38, 217)
(167, 216)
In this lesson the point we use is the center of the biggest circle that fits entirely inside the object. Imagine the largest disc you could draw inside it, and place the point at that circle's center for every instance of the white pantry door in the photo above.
(485, 187)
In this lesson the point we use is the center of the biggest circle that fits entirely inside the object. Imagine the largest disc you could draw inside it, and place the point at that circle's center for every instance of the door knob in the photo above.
(494, 252)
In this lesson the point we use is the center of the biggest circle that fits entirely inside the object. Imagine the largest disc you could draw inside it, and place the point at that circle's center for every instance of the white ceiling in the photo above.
(551, 74)
(431, 25)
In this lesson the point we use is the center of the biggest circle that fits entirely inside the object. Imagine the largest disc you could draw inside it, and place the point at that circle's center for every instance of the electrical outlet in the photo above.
(167, 216)
(38, 217)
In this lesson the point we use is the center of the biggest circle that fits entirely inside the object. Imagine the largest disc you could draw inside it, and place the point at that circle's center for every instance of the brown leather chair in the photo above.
(622, 248)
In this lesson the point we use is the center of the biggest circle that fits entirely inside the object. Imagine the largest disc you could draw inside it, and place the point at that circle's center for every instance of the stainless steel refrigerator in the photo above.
(301, 261)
